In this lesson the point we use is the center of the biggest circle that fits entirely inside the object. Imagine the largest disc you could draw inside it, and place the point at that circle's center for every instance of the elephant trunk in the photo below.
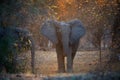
(65, 31)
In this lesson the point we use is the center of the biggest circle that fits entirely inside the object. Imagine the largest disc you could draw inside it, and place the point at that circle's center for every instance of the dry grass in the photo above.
(85, 61)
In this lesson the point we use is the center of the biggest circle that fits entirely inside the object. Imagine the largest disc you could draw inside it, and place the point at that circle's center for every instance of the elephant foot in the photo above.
(61, 71)
(69, 71)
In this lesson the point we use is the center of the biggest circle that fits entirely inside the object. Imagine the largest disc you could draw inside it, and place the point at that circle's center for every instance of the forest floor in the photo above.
(84, 62)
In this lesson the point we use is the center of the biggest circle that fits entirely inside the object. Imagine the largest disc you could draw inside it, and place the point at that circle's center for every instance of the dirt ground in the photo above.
(85, 61)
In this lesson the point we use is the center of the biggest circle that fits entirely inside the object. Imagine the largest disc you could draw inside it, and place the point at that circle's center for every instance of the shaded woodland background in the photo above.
(96, 16)
(101, 19)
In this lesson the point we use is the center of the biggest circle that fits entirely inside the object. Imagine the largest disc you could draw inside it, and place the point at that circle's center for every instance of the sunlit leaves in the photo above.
(93, 13)
(65, 9)
(101, 2)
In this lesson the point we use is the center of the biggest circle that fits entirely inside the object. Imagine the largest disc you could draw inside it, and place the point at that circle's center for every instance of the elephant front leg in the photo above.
(69, 63)
(60, 59)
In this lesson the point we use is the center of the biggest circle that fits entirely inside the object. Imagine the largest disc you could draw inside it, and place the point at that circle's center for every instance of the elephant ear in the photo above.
(48, 30)
(77, 31)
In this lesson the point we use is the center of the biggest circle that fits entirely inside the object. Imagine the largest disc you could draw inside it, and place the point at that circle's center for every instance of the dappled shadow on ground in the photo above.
(64, 76)
(46, 62)
(87, 76)
(84, 62)
(86, 67)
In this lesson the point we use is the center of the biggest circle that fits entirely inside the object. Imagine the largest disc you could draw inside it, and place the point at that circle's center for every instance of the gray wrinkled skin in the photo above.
(66, 36)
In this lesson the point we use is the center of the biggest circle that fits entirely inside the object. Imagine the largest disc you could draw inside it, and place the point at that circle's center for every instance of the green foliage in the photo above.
(6, 54)
(11, 45)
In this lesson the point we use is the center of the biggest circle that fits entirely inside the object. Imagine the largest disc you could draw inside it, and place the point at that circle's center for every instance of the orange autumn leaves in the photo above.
(66, 9)
(70, 9)
(101, 2)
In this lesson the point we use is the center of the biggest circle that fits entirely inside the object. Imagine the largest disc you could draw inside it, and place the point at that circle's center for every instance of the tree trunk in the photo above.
(116, 35)
(32, 54)
(100, 56)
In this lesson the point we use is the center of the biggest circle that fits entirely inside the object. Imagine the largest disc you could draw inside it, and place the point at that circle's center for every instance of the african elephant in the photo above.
(65, 36)
(20, 37)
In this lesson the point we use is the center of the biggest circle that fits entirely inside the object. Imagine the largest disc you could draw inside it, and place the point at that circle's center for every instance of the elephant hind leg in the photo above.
(60, 59)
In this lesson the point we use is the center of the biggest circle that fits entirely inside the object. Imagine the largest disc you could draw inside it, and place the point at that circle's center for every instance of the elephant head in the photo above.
(70, 31)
